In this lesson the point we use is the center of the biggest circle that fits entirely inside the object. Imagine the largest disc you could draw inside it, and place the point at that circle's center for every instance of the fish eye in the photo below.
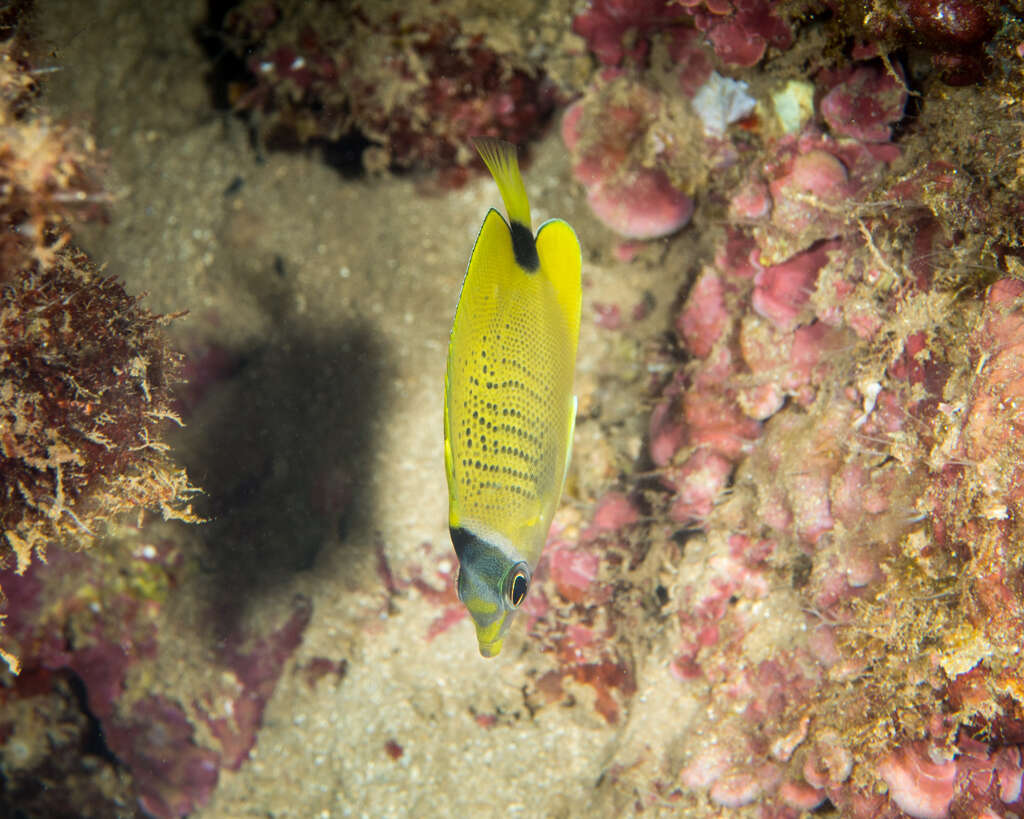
(517, 585)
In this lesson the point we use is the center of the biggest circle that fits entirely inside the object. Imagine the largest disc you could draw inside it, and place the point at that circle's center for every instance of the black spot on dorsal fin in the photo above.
(524, 247)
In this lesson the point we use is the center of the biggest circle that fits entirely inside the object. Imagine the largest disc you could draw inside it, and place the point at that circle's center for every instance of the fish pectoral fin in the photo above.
(562, 262)
(453, 497)
(448, 464)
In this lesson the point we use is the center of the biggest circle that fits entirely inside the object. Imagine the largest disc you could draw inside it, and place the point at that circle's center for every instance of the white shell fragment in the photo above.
(720, 102)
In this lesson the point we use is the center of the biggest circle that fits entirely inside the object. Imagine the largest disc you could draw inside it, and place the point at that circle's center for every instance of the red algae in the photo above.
(953, 33)
(864, 105)
(411, 85)
(86, 372)
(319, 668)
(740, 31)
(958, 23)
(57, 628)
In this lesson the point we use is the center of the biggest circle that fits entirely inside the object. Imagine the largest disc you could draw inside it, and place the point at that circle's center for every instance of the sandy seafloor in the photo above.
(336, 295)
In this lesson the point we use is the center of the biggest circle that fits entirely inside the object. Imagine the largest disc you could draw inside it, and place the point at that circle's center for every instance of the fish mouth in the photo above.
(491, 649)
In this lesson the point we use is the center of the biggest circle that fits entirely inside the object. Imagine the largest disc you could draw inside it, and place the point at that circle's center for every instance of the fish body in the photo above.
(509, 407)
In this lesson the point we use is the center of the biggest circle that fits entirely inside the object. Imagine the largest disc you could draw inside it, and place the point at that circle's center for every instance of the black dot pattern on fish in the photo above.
(509, 428)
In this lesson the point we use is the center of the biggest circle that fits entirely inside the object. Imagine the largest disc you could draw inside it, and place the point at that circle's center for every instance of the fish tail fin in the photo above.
(500, 158)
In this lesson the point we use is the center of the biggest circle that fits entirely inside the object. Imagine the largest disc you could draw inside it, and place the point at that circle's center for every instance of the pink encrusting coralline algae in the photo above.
(635, 201)
(847, 431)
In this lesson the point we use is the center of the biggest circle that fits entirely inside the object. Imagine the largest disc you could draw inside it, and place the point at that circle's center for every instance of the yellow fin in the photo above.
(453, 511)
(491, 263)
(561, 261)
(449, 464)
(501, 160)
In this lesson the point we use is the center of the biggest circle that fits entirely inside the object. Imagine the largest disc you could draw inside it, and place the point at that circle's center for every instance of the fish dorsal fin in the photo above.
(492, 260)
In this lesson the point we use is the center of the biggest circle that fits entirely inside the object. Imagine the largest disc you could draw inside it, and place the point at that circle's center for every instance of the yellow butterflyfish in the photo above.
(509, 407)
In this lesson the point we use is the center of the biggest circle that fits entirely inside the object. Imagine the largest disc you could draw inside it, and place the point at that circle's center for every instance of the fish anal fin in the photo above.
(492, 254)
(490, 267)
